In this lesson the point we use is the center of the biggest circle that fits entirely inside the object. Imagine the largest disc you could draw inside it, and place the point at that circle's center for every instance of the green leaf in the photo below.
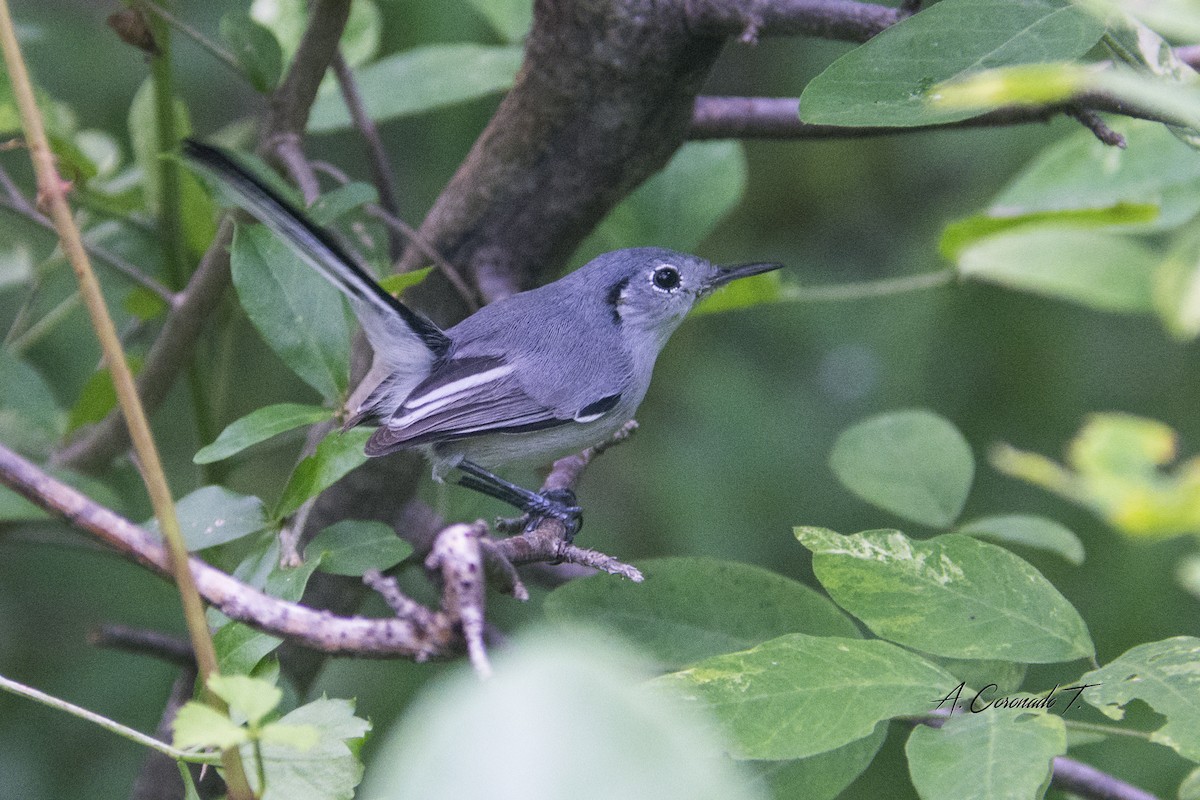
(1000, 754)
(214, 515)
(398, 282)
(198, 725)
(951, 595)
(1177, 288)
(1102, 271)
(241, 648)
(248, 697)
(1166, 676)
(199, 225)
(300, 315)
(30, 418)
(912, 463)
(574, 700)
(678, 206)
(14, 508)
(255, 48)
(958, 235)
(800, 695)
(144, 304)
(336, 455)
(98, 396)
(1007, 676)
(884, 81)
(1027, 530)
(692, 608)
(744, 293)
(297, 737)
(1189, 789)
(353, 546)
(340, 201)
(326, 770)
(1081, 172)
(511, 19)
(819, 777)
(288, 19)
(420, 80)
(258, 426)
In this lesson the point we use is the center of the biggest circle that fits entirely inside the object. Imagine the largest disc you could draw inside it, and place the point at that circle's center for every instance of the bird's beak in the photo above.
(732, 273)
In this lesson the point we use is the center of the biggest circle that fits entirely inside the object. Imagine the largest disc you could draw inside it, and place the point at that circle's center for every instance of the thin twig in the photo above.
(135, 736)
(1096, 124)
(153, 643)
(382, 174)
(404, 229)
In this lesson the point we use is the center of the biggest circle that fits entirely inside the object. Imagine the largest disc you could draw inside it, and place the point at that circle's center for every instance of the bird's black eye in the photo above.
(666, 277)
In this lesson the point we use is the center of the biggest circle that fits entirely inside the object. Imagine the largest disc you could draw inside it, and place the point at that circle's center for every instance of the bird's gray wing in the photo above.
(474, 396)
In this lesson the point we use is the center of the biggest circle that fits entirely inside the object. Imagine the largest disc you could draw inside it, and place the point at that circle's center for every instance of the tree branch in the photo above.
(1084, 780)
(827, 19)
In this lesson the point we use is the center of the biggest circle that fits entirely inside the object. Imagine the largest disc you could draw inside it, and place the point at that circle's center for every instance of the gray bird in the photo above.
(526, 379)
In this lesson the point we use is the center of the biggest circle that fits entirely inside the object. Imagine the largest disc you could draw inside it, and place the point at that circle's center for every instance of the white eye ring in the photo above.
(665, 278)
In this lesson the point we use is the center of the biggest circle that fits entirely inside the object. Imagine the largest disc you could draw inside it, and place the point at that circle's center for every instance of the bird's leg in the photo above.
(559, 503)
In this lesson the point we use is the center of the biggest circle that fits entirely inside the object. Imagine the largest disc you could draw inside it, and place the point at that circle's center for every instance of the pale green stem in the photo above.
(135, 736)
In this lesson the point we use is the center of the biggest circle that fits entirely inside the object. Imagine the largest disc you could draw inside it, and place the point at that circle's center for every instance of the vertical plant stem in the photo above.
(52, 192)
(170, 205)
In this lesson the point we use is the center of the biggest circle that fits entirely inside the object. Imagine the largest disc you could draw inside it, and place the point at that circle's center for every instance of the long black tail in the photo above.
(387, 321)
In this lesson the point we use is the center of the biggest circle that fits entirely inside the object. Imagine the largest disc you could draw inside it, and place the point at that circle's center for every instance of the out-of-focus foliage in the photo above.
(975, 276)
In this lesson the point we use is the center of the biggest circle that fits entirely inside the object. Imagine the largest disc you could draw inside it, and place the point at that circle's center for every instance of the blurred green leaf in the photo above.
(241, 648)
(575, 700)
(951, 595)
(255, 47)
(964, 232)
(744, 293)
(258, 426)
(328, 769)
(1099, 270)
(98, 396)
(299, 314)
(1166, 676)
(1117, 466)
(297, 737)
(199, 225)
(353, 546)
(1176, 288)
(1079, 172)
(420, 80)
(1027, 530)
(1007, 676)
(336, 455)
(819, 777)
(1000, 754)
(248, 697)
(14, 508)
(1187, 574)
(510, 19)
(214, 515)
(30, 419)
(201, 726)
(884, 81)
(693, 608)
(17, 264)
(1190, 788)
(800, 695)
(336, 203)
(912, 463)
(287, 20)
(678, 206)
(144, 304)
(399, 281)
